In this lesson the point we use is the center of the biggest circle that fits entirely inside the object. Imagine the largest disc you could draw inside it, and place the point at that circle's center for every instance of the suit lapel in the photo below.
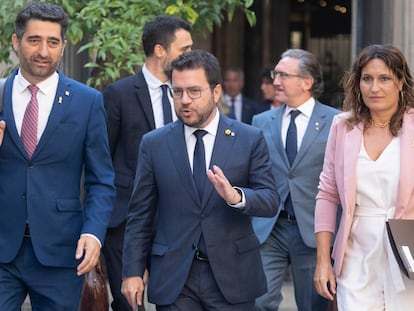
(178, 149)
(8, 115)
(223, 145)
(406, 185)
(144, 98)
(352, 147)
(61, 104)
(275, 137)
(316, 123)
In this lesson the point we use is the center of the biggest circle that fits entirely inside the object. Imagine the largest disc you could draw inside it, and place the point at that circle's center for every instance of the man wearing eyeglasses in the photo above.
(202, 177)
(136, 105)
(296, 134)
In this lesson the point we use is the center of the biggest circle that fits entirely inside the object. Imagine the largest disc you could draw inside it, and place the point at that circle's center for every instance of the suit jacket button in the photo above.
(291, 176)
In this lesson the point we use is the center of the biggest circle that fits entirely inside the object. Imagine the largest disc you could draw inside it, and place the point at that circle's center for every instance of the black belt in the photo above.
(285, 215)
(27, 231)
(200, 256)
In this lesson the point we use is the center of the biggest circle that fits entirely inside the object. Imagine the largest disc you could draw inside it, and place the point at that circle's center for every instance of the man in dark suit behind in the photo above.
(204, 255)
(241, 107)
(134, 107)
(55, 129)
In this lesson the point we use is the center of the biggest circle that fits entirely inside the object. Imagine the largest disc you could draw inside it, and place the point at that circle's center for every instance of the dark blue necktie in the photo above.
(291, 151)
(199, 175)
(166, 106)
(232, 113)
(199, 163)
(292, 137)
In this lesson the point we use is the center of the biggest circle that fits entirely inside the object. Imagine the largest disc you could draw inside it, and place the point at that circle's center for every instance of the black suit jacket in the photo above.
(130, 116)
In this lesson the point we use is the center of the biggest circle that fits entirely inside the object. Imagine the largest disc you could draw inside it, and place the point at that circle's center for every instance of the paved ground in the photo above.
(288, 303)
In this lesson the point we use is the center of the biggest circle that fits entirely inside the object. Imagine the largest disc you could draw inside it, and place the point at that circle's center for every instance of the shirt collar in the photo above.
(236, 98)
(211, 128)
(44, 86)
(306, 108)
(152, 81)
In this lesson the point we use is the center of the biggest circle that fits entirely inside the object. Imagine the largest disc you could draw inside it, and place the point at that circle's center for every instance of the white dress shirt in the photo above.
(154, 87)
(302, 120)
(208, 139)
(45, 97)
(238, 105)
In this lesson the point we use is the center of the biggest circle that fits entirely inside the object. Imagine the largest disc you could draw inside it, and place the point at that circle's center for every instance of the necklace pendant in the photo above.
(379, 124)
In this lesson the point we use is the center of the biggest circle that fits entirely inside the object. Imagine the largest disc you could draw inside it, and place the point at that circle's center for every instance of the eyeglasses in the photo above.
(192, 92)
(282, 75)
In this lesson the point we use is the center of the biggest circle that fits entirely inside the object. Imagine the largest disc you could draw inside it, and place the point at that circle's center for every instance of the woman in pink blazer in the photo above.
(369, 169)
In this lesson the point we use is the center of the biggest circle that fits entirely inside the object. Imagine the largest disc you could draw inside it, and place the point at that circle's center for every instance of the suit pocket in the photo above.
(122, 180)
(72, 205)
(247, 243)
(159, 249)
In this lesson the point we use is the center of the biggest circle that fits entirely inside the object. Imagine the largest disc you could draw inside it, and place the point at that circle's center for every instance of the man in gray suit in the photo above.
(297, 152)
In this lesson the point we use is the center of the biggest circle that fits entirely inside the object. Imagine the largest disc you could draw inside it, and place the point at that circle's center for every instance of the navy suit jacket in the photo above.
(164, 187)
(130, 116)
(45, 190)
(302, 178)
(249, 109)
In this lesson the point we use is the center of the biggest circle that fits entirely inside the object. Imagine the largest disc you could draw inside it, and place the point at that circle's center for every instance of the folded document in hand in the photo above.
(401, 236)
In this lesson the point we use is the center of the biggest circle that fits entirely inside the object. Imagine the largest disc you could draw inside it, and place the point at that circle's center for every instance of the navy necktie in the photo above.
(199, 163)
(166, 106)
(292, 137)
(199, 175)
(291, 151)
(232, 113)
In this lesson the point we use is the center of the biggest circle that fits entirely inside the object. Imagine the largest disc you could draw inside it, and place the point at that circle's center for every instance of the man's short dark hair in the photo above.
(196, 59)
(161, 30)
(43, 11)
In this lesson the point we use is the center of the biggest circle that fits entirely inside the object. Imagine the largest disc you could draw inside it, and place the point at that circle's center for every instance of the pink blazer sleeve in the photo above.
(327, 199)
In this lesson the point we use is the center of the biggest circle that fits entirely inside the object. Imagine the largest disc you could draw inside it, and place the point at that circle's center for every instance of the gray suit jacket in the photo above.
(302, 179)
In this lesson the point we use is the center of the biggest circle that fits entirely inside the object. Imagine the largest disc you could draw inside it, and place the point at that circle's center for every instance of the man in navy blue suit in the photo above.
(134, 107)
(241, 107)
(204, 254)
(55, 131)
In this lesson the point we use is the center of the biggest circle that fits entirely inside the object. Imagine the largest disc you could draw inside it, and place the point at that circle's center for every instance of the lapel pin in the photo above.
(229, 132)
(317, 126)
(60, 100)
(66, 93)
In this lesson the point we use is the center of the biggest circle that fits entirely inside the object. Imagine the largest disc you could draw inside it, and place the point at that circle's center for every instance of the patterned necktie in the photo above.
(166, 106)
(292, 137)
(29, 124)
(199, 163)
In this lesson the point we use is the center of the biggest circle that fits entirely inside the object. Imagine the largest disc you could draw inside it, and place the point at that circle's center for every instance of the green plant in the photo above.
(110, 30)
